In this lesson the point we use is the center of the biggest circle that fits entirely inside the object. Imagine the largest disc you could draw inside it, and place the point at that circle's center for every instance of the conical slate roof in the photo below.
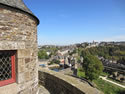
(18, 4)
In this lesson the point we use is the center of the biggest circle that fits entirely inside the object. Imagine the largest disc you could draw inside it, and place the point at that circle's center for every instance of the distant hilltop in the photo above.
(89, 44)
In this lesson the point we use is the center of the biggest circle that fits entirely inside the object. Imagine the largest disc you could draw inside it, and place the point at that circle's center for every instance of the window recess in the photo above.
(7, 67)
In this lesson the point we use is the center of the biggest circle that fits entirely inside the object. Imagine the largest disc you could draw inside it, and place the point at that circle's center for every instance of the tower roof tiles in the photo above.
(18, 4)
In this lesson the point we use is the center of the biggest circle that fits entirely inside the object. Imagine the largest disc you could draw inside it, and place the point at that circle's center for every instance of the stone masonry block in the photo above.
(20, 78)
(27, 76)
(27, 60)
(21, 61)
(23, 53)
(21, 68)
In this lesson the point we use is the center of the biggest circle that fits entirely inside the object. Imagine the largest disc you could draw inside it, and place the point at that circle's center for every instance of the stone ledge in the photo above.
(43, 90)
(11, 45)
(7, 89)
(58, 83)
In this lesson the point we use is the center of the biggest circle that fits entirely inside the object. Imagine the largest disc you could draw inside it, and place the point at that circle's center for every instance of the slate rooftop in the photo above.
(18, 4)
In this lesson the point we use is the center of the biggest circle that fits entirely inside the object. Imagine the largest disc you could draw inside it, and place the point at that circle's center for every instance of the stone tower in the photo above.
(18, 48)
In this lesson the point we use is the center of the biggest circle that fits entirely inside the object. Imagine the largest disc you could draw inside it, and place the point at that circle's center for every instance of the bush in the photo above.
(54, 61)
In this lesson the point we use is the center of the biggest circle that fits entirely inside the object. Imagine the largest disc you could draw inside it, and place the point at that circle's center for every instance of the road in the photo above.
(105, 78)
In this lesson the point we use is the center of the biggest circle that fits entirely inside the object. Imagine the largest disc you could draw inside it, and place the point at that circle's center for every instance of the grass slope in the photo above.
(108, 88)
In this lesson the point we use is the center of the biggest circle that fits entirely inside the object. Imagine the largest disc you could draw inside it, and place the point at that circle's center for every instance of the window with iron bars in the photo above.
(7, 67)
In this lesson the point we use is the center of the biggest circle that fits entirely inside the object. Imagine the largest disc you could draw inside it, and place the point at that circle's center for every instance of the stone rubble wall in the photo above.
(18, 31)
(57, 83)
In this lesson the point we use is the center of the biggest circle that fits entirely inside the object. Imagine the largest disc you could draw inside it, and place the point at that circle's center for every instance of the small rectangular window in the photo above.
(7, 67)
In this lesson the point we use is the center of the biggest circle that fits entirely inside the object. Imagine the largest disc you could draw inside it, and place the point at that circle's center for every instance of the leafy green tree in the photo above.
(85, 53)
(92, 67)
(42, 54)
(122, 60)
(112, 52)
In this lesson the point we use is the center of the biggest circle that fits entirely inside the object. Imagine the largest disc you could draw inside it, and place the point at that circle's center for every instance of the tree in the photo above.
(92, 67)
(85, 53)
(42, 54)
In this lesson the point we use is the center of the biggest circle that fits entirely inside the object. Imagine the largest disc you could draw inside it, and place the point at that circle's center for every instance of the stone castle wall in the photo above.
(18, 31)
(57, 83)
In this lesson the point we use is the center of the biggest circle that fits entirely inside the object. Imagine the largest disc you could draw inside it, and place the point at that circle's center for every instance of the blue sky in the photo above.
(64, 22)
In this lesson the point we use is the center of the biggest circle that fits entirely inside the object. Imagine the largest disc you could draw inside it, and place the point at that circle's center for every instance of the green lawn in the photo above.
(104, 74)
(116, 81)
(108, 88)
(80, 73)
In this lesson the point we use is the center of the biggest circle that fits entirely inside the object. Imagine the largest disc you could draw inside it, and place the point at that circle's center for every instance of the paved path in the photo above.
(43, 90)
(105, 78)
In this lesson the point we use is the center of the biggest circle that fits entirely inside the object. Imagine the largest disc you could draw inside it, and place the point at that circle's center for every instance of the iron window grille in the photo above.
(7, 67)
